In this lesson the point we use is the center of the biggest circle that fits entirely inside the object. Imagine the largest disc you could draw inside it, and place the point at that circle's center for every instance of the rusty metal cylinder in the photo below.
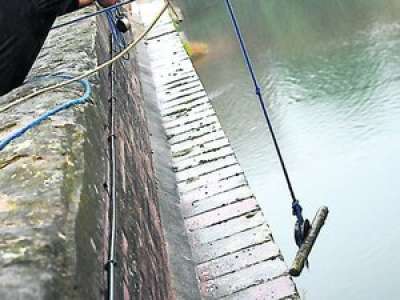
(305, 249)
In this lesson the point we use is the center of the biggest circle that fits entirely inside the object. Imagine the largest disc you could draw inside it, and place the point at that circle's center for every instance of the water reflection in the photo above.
(331, 73)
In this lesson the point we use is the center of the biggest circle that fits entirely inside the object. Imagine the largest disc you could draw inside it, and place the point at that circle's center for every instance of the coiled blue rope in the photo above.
(37, 121)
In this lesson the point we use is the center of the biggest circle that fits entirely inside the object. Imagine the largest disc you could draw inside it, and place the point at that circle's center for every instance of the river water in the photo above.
(330, 73)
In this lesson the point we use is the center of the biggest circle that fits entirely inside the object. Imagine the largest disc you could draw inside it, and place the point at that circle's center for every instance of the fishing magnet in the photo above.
(309, 240)
(301, 230)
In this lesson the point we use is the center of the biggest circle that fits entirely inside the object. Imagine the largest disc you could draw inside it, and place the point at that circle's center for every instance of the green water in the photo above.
(330, 71)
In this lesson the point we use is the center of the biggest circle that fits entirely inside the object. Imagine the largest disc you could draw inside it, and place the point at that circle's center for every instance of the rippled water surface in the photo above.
(330, 71)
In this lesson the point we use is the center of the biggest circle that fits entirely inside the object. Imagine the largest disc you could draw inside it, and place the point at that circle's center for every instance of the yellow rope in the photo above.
(93, 71)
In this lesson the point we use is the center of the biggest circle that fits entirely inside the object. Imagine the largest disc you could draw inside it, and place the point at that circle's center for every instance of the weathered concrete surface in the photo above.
(41, 178)
(54, 204)
(233, 251)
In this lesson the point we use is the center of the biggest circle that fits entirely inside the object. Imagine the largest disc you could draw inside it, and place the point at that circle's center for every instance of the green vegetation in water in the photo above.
(188, 48)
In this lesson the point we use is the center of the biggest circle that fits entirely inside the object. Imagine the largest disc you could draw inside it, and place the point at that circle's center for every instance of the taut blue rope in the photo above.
(296, 208)
(37, 121)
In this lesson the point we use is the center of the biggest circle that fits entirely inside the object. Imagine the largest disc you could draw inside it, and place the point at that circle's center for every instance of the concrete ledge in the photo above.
(41, 176)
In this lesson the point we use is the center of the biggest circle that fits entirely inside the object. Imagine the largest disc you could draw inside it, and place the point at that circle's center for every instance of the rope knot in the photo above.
(302, 227)
(258, 90)
(297, 211)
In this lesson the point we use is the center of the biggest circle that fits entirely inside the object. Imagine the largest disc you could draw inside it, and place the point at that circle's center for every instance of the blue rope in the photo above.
(91, 15)
(112, 13)
(118, 36)
(297, 211)
(296, 208)
(36, 122)
(120, 41)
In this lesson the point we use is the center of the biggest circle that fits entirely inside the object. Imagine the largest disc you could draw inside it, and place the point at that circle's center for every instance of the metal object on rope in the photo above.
(302, 229)
(308, 243)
